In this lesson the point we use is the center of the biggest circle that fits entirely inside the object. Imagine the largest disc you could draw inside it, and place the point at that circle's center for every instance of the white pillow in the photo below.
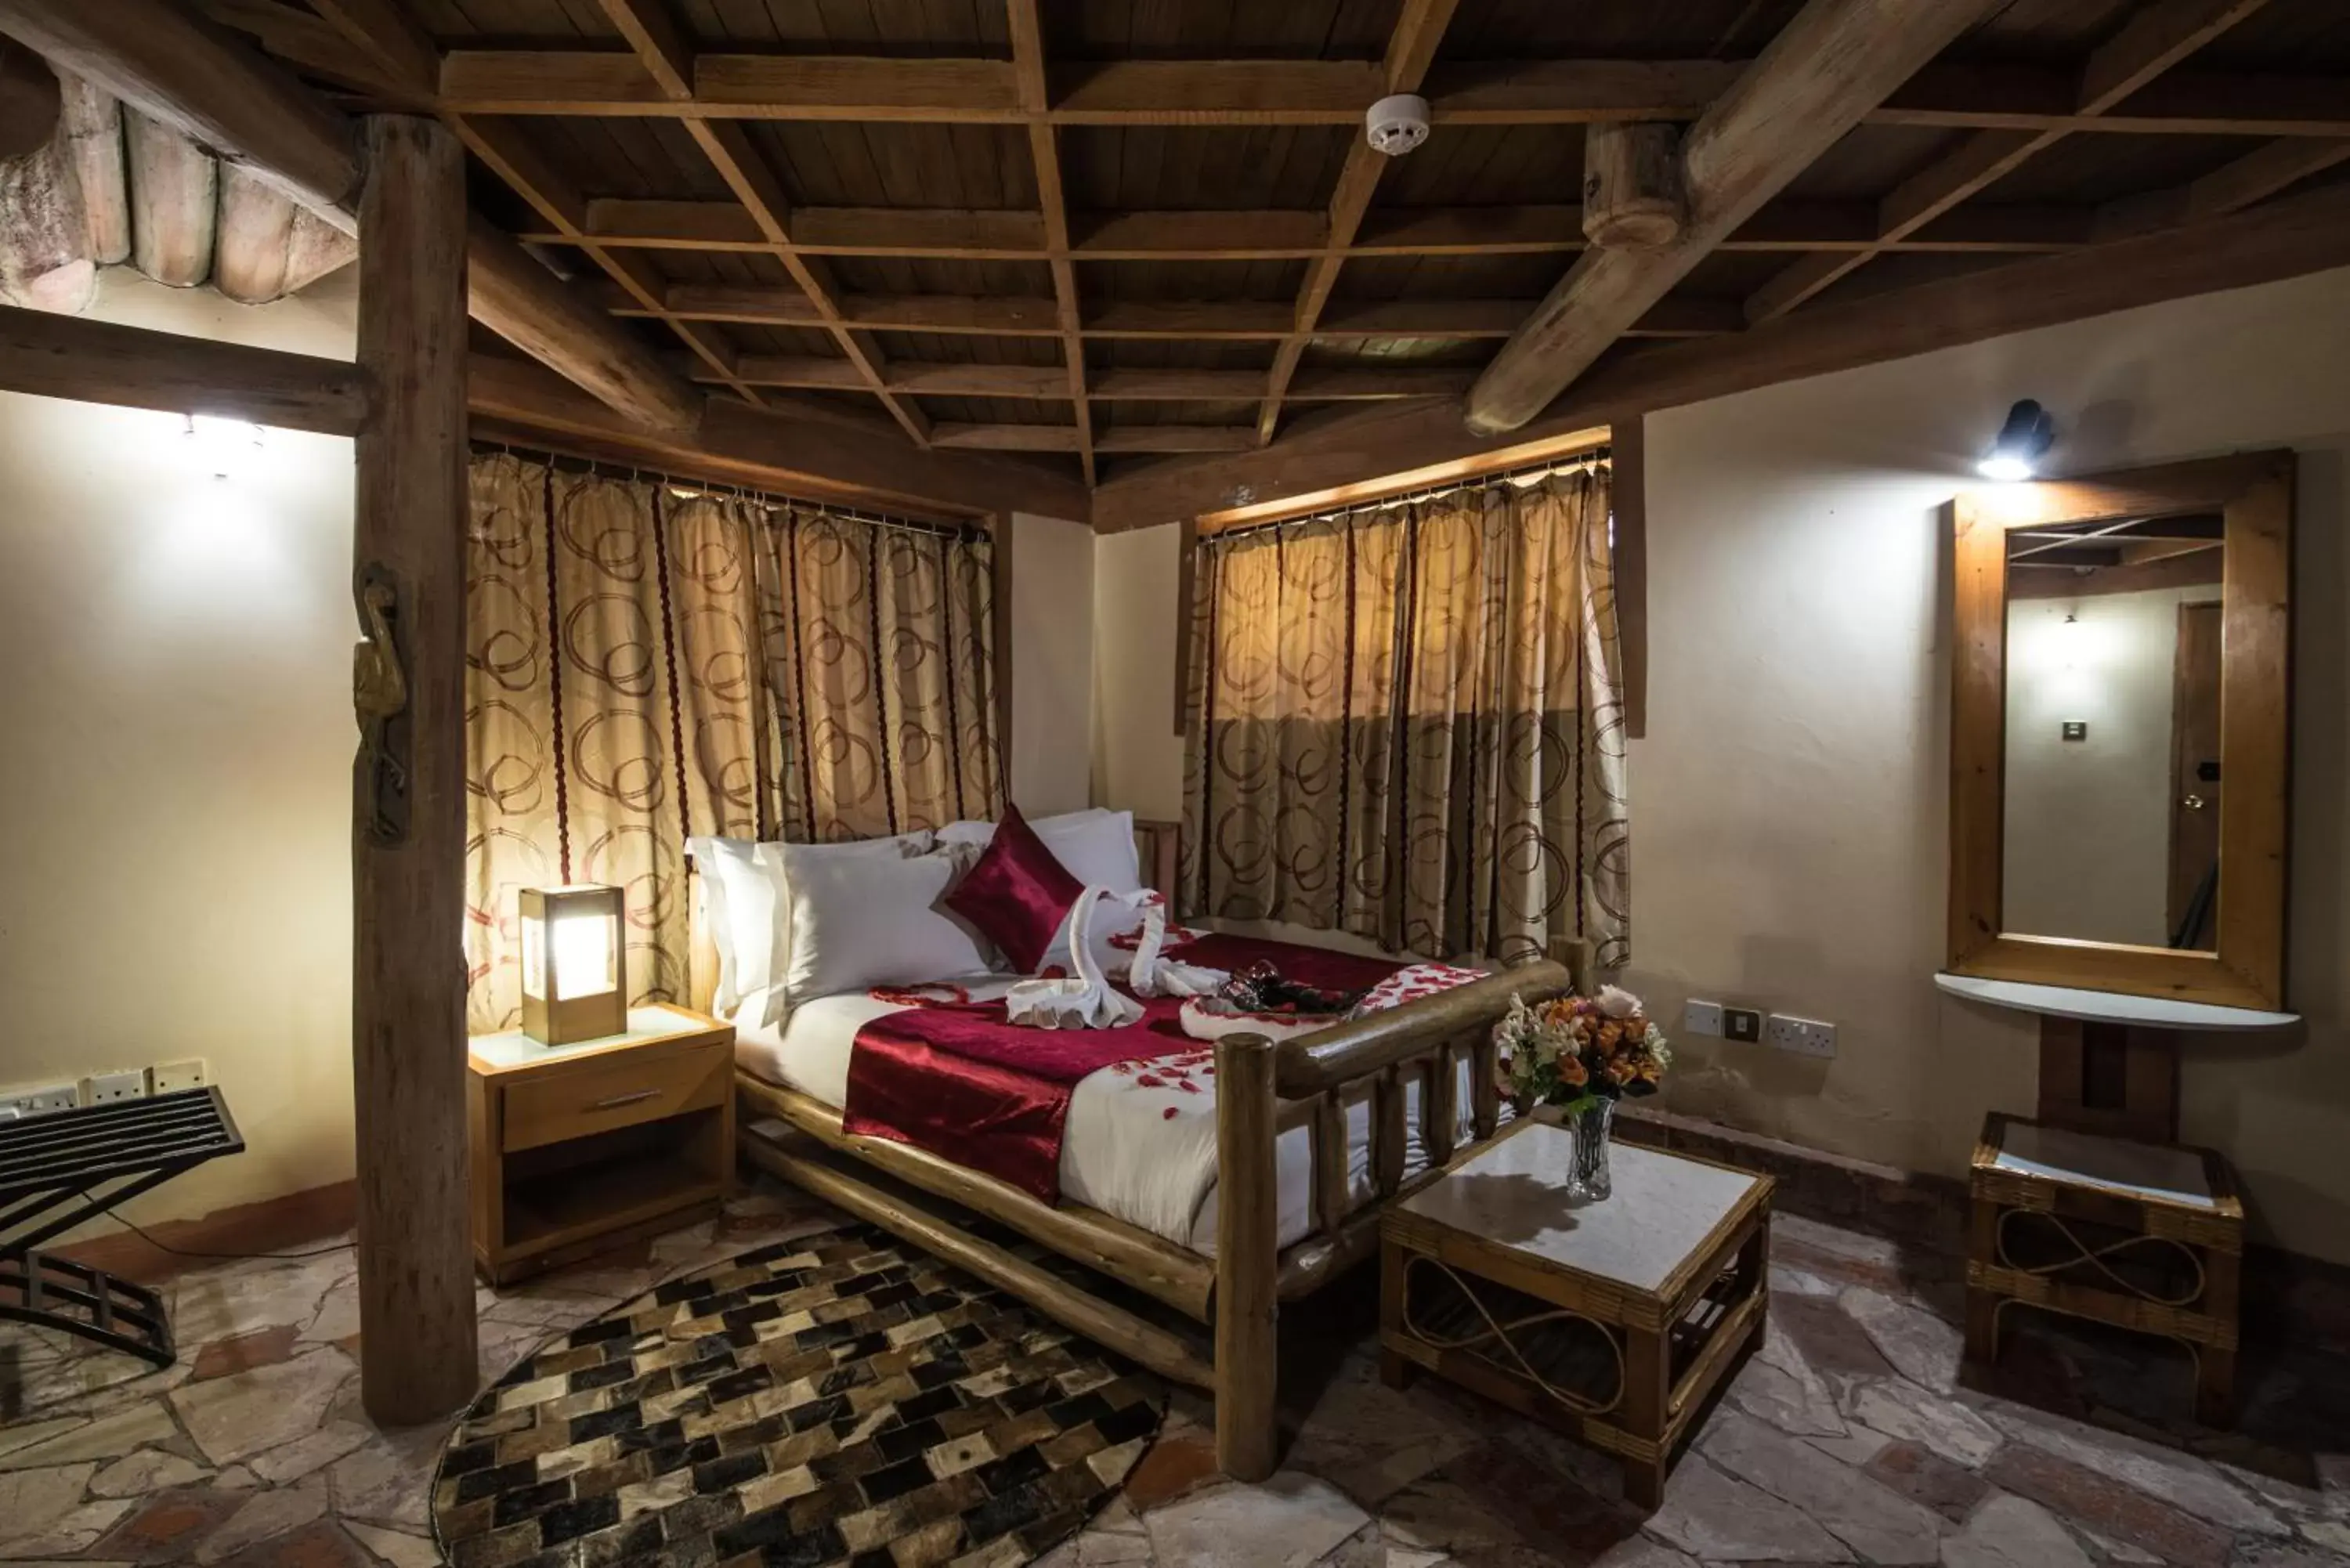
(1097, 847)
(738, 914)
(776, 860)
(861, 921)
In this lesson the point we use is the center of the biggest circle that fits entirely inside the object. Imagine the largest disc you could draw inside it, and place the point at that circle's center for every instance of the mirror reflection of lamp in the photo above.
(2072, 641)
(2016, 452)
(574, 980)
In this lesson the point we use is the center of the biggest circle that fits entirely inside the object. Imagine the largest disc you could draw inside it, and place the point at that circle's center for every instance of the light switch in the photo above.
(2076, 729)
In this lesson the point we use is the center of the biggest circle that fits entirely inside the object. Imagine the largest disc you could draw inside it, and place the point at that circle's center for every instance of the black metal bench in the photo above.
(60, 1169)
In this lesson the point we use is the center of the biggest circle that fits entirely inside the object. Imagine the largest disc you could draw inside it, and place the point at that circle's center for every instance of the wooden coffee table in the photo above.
(1612, 1321)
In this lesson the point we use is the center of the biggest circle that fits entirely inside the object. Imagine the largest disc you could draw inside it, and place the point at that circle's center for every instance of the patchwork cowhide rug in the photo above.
(841, 1398)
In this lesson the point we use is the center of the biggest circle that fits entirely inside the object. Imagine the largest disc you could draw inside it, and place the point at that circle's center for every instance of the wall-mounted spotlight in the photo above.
(226, 449)
(2021, 441)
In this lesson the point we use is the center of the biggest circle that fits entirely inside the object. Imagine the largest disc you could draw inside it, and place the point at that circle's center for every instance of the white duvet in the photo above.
(1140, 1140)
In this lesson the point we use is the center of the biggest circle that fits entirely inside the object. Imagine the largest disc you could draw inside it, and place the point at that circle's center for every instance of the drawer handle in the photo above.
(617, 1101)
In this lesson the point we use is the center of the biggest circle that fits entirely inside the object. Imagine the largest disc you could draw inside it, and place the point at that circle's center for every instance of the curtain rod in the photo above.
(1527, 474)
(766, 498)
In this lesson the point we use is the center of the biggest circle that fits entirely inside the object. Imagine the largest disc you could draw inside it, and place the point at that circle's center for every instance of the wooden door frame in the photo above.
(2182, 686)
(2254, 493)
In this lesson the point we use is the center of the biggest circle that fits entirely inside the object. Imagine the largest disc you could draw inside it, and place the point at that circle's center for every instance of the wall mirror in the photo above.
(2119, 731)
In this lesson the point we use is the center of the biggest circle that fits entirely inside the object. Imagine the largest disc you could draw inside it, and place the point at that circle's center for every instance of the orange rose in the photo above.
(1571, 1073)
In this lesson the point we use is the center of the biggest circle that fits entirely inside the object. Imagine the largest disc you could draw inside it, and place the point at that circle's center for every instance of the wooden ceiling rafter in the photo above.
(391, 36)
(1045, 153)
(906, 231)
(1410, 51)
(1826, 67)
(950, 234)
(1234, 320)
(2266, 170)
(1048, 383)
(2160, 36)
(654, 38)
(958, 90)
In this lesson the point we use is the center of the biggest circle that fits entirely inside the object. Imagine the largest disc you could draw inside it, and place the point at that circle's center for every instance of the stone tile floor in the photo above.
(1847, 1438)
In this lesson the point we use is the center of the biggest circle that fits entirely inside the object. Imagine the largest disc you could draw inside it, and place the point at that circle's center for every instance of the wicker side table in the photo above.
(2143, 1236)
(1611, 1321)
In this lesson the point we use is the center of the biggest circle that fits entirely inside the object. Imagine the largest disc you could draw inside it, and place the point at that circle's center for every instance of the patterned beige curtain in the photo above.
(644, 664)
(1407, 723)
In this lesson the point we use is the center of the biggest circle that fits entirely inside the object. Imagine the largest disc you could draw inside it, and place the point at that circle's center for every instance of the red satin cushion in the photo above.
(1017, 893)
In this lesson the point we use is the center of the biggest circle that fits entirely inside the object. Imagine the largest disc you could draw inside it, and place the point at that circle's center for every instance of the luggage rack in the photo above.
(60, 1169)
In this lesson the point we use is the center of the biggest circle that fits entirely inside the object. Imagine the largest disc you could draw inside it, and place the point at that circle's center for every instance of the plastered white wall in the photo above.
(1052, 664)
(1789, 840)
(176, 788)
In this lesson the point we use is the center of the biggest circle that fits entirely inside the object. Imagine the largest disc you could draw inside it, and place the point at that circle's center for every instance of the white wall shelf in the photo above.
(2111, 1006)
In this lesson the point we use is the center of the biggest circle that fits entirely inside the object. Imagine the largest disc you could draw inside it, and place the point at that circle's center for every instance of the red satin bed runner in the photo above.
(969, 1085)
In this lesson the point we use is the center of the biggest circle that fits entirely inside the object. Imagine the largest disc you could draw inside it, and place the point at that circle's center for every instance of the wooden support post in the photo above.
(417, 1348)
(1248, 1261)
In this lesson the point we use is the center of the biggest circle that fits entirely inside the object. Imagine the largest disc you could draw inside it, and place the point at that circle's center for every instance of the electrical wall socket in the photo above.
(1741, 1024)
(1701, 1018)
(106, 1089)
(1804, 1036)
(40, 1098)
(170, 1077)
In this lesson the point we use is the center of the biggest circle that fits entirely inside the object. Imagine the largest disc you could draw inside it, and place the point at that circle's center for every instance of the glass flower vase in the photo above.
(1590, 1126)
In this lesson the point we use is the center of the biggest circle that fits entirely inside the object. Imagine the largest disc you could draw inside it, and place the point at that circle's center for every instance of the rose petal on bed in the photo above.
(1167, 1115)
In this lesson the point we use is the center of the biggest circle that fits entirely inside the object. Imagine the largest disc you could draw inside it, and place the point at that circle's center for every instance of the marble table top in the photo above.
(1663, 1208)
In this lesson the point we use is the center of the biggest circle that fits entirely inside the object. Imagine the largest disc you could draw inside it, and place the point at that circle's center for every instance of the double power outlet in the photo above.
(103, 1088)
(1804, 1036)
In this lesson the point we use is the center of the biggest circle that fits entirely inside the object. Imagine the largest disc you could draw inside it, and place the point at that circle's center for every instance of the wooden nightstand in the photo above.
(577, 1148)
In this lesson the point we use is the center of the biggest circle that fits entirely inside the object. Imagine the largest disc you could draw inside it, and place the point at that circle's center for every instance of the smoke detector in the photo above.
(1397, 123)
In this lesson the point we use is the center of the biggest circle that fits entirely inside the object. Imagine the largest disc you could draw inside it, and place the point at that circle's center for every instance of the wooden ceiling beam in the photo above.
(2289, 237)
(206, 83)
(1169, 437)
(1049, 383)
(1946, 95)
(184, 72)
(2156, 38)
(608, 360)
(1830, 64)
(303, 38)
(821, 452)
(1012, 316)
(2268, 169)
(527, 172)
(660, 48)
(54, 356)
(1028, 66)
(1281, 234)
(1410, 51)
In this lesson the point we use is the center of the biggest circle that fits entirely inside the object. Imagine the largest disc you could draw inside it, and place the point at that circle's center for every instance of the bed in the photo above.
(1306, 1142)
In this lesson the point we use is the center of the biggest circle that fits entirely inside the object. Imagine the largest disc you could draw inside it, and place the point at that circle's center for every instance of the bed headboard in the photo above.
(1160, 845)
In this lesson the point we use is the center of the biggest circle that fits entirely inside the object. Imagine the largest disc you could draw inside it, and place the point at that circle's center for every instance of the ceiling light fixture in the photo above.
(2021, 441)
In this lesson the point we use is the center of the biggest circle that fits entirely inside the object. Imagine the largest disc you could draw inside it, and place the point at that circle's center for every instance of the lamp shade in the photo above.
(575, 984)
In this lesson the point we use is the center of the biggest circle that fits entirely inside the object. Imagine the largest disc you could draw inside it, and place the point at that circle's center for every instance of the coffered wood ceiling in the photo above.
(1116, 234)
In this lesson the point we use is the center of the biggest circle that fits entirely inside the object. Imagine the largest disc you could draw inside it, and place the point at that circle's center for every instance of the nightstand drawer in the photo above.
(630, 1091)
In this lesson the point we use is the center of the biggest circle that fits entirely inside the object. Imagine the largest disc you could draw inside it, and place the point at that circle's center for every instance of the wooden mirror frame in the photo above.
(2254, 493)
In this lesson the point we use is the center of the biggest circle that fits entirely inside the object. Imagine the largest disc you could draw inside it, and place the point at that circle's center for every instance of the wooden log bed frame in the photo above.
(1263, 1090)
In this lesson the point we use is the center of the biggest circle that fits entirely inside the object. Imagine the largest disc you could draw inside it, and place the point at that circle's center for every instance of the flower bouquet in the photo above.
(1582, 1053)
